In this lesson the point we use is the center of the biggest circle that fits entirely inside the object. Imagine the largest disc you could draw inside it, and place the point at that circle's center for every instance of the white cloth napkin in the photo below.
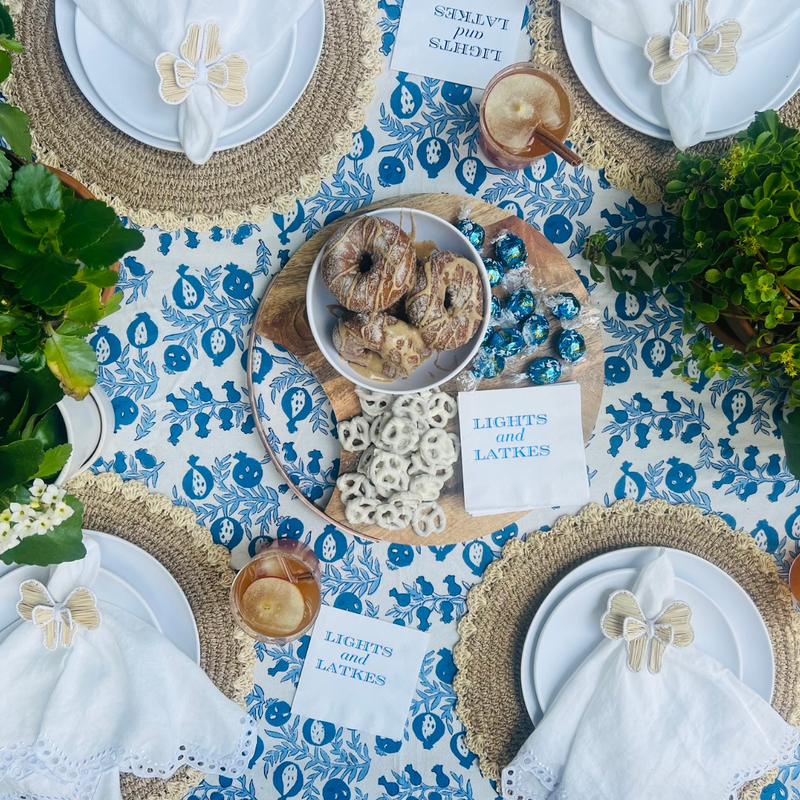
(691, 730)
(148, 28)
(686, 97)
(122, 698)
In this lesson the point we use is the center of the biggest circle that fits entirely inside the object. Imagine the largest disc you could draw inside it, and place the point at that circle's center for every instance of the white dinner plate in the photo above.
(441, 366)
(577, 31)
(572, 631)
(758, 667)
(310, 35)
(763, 76)
(132, 579)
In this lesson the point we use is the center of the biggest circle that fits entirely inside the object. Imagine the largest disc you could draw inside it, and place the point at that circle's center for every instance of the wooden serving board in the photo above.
(281, 318)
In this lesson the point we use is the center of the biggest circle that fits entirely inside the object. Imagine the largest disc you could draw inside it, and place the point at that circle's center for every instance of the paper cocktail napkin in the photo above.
(522, 448)
(360, 673)
(464, 43)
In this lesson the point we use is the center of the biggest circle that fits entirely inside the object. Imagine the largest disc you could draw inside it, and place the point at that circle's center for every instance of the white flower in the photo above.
(37, 488)
(41, 524)
(22, 529)
(18, 512)
(60, 512)
(7, 541)
(50, 495)
(5, 515)
(5, 528)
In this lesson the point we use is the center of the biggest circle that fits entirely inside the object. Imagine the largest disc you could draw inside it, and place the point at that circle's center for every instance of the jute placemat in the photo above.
(170, 534)
(156, 187)
(500, 610)
(631, 160)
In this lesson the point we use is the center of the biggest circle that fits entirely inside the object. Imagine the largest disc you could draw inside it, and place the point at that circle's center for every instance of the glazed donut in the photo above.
(369, 265)
(446, 303)
(385, 346)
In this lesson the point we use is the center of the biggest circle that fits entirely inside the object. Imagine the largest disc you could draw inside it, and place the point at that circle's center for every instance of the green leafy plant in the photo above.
(39, 524)
(732, 256)
(14, 123)
(55, 250)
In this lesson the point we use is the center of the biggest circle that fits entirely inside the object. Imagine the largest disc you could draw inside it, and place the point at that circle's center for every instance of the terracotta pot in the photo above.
(82, 192)
(735, 332)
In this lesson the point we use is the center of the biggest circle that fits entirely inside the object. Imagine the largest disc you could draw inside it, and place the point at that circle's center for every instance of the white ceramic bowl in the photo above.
(441, 366)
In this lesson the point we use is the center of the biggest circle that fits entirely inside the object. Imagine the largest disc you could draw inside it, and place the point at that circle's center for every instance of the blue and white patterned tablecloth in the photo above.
(173, 363)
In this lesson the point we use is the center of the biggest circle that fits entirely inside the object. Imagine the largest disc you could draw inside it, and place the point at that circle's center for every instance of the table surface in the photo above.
(190, 299)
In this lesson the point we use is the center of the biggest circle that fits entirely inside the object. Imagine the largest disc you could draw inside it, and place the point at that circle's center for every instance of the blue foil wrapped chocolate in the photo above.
(571, 346)
(495, 271)
(497, 308)
(487, 336)
(536, 330)
(488, 364)
(544, 371)
(521, 304)
(564, 305)
(510, 250)
(474, 232)
(506, 342)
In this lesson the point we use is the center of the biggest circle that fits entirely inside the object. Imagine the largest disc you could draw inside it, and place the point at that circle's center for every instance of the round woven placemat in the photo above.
(170, 534)
(631, 160)
(157, 187)
(501, 607)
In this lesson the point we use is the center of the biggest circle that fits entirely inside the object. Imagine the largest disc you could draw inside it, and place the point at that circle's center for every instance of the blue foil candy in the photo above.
(521, 304)
(474, 232)
(536, 330)
(544, 370)
(497, 308)
(565, 306)
(510, 250)
(488, 364)
(506, 342)
(571, 346)
(495, 270)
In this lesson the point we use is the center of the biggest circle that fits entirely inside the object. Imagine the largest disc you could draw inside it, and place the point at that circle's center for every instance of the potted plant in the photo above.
(39, 522)
(57, 250)
(732, 259)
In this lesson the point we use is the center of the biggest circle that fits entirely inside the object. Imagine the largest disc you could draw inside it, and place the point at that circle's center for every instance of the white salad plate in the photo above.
(572, 631)
(579, 42)
(755, 646)
(129, 578)
(441, 366)
(104, 70)
(767, 75)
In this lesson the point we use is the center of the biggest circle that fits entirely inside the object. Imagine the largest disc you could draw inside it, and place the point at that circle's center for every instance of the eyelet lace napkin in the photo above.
(649, 715)
(688, 45)
(201, 52)
(115, 697)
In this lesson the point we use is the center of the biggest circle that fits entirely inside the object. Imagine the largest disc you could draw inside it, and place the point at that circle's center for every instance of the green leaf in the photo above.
(6, 170)
(14, 129)
(103, 279)
(54, 460)
(794, 253)
(87, 308)
(62, 297)
(73, 362)
(63, 543)
(790, 431)
(44, 275)
(791, 278)
(115, 301)
(12, 45)
(111, 247)
(5, 65)
(706, 312)
(42, 388)
(9, 322)
(18, 234)
(15, 426)
(44, 220)
(87, 221)
(19, 462)
(50, 430)
(6, 23)
(35, 187)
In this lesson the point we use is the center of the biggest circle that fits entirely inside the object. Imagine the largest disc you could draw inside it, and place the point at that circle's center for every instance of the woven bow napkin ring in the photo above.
(58, 621)
(625, 619)
(693, 35)
(201, 63)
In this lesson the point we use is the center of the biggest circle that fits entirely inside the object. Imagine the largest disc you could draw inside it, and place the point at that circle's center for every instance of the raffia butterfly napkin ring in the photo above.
(625, 619)
(58, 621)
(693, 35)
(201, 63)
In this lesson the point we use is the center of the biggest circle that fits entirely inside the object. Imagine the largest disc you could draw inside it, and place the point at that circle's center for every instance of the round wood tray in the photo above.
(281, 318)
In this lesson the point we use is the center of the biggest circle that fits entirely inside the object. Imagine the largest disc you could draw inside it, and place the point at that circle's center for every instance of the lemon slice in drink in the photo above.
(273, 606)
